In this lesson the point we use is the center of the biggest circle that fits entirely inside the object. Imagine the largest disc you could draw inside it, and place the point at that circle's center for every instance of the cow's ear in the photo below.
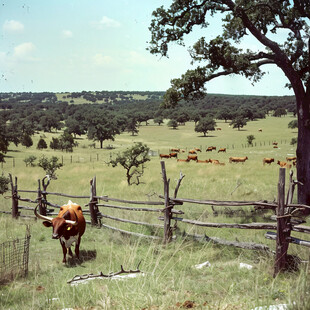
(47, 224)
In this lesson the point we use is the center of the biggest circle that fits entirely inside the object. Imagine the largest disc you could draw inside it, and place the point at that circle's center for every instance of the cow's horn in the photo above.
(42, 217)
(74, 223)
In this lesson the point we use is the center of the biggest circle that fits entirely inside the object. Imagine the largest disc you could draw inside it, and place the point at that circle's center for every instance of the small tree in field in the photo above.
(238, 122)
(50, 165)
(173, 123)
(29, 161)
(250, 139)
(41, 144)
(205, 124)
(133, 160)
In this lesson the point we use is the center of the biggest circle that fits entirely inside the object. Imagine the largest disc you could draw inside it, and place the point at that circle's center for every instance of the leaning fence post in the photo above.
(93, 208)
(167, 213)
(283, 227)
(15, 212)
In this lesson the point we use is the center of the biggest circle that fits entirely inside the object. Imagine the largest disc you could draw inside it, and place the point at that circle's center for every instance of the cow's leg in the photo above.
(70, 252)
(64, 250)
(77, 248)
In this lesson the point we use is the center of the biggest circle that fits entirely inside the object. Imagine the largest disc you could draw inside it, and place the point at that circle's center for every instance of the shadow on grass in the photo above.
(206, 136)
(85, 255)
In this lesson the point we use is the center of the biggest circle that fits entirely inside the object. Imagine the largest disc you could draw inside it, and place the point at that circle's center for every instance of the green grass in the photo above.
(170, 278)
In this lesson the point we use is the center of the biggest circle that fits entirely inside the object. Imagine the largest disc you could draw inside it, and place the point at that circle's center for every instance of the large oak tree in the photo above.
(221, 56)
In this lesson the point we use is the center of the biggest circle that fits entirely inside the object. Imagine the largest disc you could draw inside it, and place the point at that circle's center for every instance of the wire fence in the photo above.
(14, 258)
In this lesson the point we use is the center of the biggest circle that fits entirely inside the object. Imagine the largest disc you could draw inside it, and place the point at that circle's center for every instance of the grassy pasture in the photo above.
(170, 278)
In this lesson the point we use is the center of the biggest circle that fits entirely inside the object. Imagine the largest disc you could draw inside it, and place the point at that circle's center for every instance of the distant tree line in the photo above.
(24, 114)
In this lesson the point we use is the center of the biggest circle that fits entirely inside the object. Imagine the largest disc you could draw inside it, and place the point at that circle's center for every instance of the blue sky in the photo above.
(75, 45)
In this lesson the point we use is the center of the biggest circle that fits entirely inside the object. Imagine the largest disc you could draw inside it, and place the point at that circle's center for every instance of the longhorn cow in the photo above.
(68, 227)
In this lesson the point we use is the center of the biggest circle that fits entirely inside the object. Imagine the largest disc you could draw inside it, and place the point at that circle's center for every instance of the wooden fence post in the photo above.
(40, 197)
(15, 212)
(93, 207)
(167, 213)
(283, 227)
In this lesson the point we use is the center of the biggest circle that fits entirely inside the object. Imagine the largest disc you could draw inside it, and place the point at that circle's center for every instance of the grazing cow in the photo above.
(175, 150)
(164, 155)
(210, 148)
(192, 152)
(223, 149)
(68, 227)
(284, 164)
(203, 161)
(260, 130)
(275, 146)
(291, 158)
(237, 159)
(214, 161)
(173, 155)
(197, 149)
(183, 160)
(192, 157)
(267, 160)
(274, 143)
(218, 128)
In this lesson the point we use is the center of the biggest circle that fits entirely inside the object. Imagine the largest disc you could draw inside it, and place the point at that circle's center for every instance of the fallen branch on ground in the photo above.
(83, 278)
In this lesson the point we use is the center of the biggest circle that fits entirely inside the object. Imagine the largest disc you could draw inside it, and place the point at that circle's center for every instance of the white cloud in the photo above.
(102, 60)
(67, 34)
(13, 26)
(24, 50)
(107, 22)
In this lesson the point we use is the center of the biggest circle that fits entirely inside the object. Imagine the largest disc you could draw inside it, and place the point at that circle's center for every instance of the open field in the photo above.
(170, 278)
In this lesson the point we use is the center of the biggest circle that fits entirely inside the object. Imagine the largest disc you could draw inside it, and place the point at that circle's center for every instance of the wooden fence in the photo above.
(286, 213)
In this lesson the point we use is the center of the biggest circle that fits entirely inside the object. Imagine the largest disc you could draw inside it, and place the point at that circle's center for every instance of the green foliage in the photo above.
(41, 144)
(101, 128)
(26, 140)
(29, 161)
(293, 124)
(250, 139)
(279, 112)
(159, 120)
(205, 124)
(293, 141)
(50, 165)
(133, 160)
(173, 123)
(4, 182)
(132, 125)
(238, 122)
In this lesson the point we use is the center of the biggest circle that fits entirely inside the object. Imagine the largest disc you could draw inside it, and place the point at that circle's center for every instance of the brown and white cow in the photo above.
(192, 152)
(223, 149)
(69, 226)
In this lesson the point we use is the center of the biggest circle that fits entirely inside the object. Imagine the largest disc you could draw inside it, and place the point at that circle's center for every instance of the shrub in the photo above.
(29, 161)
(4, 182)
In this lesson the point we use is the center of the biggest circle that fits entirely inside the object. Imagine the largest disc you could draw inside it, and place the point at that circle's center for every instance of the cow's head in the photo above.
(60, 224)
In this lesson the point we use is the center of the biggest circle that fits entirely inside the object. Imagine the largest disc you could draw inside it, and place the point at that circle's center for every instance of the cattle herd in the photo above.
(192, 156)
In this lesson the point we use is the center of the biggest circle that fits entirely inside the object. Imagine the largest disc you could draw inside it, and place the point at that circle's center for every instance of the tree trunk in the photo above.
(303, 148)
(101, 143)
